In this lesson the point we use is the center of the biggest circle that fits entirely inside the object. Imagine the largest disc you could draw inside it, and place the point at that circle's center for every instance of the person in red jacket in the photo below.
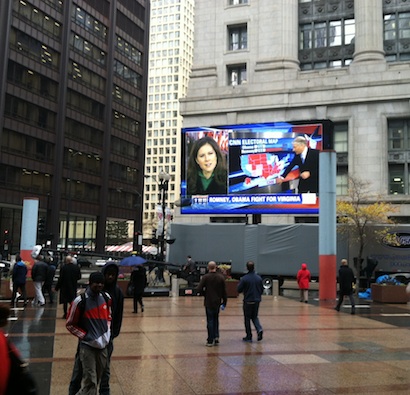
(13, 379)
(4, 351)
(303, 279)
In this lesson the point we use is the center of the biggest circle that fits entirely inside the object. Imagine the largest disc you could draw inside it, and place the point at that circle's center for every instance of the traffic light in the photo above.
(7, 242)
(41, 227)
(154, 239)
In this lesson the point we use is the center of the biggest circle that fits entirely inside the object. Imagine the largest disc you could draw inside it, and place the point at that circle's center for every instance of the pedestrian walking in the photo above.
(94, 334)
(19, 278)
(48, 284)
(303, 278)
(189, 271)
(67, 282)
(139, 282)
(346, 281)
(39, 275)
(212, 286)
(252, 287)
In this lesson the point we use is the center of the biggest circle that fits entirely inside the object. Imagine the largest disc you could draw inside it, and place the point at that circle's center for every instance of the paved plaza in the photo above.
(306, 349)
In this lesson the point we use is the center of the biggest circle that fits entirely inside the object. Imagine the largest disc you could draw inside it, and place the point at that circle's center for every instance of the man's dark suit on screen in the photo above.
(311, 164)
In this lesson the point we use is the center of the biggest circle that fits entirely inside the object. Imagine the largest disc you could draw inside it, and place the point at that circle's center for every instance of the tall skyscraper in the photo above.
(170, 60)
(72, 116)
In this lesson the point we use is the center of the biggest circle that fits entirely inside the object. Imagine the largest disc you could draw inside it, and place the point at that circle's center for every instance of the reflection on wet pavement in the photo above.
(306, 349)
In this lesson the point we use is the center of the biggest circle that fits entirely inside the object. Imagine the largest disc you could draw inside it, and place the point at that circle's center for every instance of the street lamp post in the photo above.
(163, 189)
(137, 238)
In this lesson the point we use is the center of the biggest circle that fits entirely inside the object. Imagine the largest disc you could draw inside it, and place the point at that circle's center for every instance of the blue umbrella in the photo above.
(133, 260)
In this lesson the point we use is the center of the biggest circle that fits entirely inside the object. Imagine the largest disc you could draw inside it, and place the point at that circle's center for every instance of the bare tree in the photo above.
(360, 216)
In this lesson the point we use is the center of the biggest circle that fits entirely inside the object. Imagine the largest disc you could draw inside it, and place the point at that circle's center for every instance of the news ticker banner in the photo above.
(305, 203)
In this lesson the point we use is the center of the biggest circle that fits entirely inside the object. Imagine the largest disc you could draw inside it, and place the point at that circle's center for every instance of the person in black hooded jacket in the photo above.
(139, 281)
(346, 281)
(110, 271)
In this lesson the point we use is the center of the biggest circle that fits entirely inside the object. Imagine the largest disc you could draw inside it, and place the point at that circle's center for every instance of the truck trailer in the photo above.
(279, 250)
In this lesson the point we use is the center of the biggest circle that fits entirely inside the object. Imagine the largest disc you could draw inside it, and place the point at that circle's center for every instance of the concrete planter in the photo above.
(123, 284)
(5, 291)
(384, 293)
(232, 288)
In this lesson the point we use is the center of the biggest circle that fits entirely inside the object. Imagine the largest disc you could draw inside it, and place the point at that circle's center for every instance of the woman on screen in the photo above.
(207, 172)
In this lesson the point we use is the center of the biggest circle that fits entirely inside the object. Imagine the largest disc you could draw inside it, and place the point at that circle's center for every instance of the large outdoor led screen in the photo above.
(253, 168)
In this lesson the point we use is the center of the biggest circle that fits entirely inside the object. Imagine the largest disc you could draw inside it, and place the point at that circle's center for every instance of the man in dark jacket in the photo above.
(212, 286)
(39, 275)
(252, 288)
(346, 281)
(189, 271)
(110, 272)
(67, 281)
(48, 284)
(19, 280)
(139, 282)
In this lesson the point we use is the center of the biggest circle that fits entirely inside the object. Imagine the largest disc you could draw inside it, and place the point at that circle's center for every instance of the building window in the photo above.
(33, 148)
(85, 76)
(84, 104)
(341, 148)
(131, 76)
(397, 36)
(30, 113)
(238, 37)
(131, 28)
(129, 50)
(38, 18)
(32, 81)
(29, 46)
(326, 34)
(122, 96)
(87, 49)
(127, 124)
(80, 132)
(88, 22)
(399, 156)
(237, 75)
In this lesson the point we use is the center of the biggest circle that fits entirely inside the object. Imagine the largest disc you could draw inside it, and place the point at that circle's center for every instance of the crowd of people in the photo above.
(103, 299)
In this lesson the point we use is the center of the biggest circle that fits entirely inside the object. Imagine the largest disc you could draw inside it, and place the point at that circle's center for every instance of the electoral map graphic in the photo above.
(262, 169)
(258, 170)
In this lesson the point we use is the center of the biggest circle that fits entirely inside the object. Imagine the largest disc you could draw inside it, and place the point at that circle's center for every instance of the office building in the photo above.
(72, 116)
(170, 60)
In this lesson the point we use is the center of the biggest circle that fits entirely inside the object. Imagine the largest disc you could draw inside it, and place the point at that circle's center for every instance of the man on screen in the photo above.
(307, 159)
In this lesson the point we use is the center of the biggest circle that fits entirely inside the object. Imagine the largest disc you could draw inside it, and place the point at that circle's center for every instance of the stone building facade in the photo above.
(289, 60)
